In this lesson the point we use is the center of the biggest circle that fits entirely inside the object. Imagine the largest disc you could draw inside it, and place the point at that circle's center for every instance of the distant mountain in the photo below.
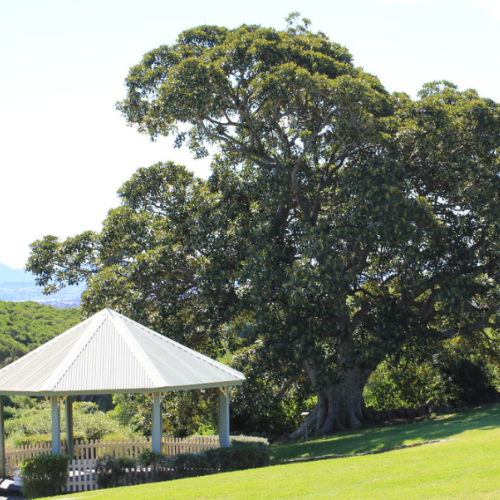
(16, 285)
(14, 275)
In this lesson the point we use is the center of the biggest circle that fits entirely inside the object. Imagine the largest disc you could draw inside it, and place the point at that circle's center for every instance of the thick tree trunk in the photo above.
(339, 406)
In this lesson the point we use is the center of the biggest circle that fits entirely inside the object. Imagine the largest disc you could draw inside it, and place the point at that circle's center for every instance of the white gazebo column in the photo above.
(156, 423)
(69, 426)
(2, 441)
(56, 425)
(224, 417)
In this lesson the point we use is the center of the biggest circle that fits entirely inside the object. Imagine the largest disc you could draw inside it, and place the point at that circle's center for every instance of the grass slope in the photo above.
(465, 467)
(373, 439)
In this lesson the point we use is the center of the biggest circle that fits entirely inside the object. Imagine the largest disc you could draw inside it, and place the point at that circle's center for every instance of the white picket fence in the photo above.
(81, 475)
(82, 468)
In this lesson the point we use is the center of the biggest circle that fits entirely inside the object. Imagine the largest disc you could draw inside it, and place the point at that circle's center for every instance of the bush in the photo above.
(403, 384)
(194, 464)
(27, 425)
(185, 413)
(465, 376)
(242, 457)
(22, 440)
(158, 466)
(245, 440)
(44, 475)
(454, 373)
(112, 472)
(239, 457)
(153, 466)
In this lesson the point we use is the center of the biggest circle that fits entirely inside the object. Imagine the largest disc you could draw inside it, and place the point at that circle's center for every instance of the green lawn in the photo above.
(467, 466)
(346, 443)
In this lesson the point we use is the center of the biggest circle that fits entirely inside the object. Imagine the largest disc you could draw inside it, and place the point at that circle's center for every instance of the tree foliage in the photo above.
(26, 325)
(30, 421)
(453, 372)
(341, 224)
(183, 413)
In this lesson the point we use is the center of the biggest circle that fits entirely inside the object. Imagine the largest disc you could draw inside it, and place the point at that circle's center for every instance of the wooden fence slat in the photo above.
(81, 476)
(93, 449)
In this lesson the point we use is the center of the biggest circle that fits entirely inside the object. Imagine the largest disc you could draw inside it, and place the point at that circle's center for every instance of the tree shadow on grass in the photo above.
(373, 439)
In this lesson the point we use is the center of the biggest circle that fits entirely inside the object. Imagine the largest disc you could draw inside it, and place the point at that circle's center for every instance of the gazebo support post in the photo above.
(156, 423)
(2, 440)
(69, 427)
(224, 440)
(56, 425)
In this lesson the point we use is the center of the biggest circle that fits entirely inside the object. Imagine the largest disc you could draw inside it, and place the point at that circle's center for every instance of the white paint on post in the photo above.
(2, 441)
(224, 417)
(69, 426)
(56, 426)
(156, 423)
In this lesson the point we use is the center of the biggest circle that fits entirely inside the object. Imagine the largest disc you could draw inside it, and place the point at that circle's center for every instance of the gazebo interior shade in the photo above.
(110, 353)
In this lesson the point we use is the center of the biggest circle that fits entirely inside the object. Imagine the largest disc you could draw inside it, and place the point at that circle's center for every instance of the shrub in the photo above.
(454, 373)
(185, 413)
(23, 440)
(112, 472)
(158, 467)
(153, 466)
(465, 375)
(44, 475)
(245, 440)
(193, 464)
(403, 383)
(249, 456)
(239, 457)
(28, 423)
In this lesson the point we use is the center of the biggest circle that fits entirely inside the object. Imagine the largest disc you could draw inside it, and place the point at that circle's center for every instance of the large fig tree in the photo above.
(340, 223)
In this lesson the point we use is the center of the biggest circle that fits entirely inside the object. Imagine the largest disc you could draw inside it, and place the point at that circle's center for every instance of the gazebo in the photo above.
(109, 353)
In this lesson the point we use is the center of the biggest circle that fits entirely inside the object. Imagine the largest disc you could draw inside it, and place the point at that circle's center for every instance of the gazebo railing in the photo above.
(95, 448)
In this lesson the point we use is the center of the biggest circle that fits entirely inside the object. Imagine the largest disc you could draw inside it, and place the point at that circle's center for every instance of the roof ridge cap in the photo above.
(94, 323)
(137, 350)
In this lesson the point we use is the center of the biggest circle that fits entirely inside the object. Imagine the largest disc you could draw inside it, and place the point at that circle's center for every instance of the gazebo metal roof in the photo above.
(110, 353)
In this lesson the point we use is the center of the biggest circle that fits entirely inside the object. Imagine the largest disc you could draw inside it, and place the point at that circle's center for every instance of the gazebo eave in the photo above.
(144, 390)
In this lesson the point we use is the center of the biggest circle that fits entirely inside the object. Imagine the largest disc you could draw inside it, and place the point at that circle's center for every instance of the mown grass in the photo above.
(372, 439)
(467, 466)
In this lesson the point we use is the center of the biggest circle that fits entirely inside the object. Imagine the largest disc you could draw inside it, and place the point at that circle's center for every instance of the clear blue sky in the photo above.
(64, 150)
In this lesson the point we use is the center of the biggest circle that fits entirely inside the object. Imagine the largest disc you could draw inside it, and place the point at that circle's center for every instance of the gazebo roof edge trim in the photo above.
(229, 383)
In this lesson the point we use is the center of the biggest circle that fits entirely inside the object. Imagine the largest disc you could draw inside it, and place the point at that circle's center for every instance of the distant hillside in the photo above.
(18, 286)
(14, 275)
(26, 325)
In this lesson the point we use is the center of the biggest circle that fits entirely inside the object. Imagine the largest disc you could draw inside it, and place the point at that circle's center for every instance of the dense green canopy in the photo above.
(26, 325)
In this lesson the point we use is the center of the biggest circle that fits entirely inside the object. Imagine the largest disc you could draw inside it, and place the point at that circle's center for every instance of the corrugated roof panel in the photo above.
(35, 368)
(178, 365)
(111, 353)
(95, 369)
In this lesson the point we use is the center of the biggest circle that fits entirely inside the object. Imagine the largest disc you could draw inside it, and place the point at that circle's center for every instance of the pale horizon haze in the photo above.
(65, 150)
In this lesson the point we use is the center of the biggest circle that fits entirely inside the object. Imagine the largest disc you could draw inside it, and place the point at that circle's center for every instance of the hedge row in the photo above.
(153, 466)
